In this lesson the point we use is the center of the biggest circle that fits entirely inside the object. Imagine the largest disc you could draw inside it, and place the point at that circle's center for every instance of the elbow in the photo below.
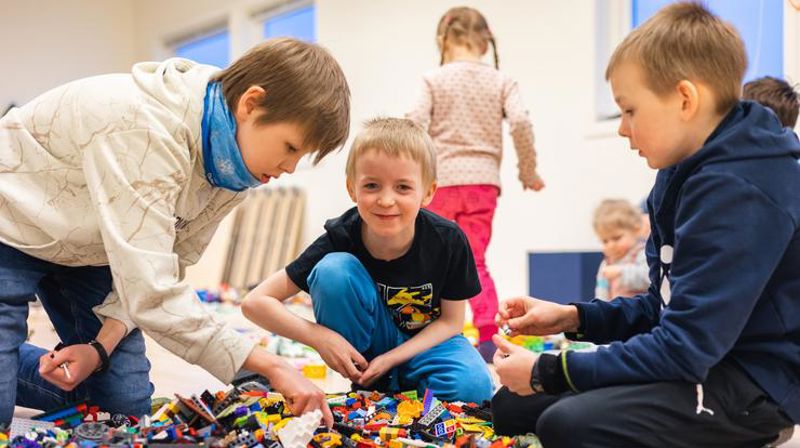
(249, 306)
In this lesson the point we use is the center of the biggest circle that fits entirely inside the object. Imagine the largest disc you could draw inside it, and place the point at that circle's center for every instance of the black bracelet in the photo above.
(105, 362)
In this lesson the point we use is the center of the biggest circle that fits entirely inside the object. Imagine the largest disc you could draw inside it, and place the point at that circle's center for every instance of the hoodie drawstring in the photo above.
(700, 407)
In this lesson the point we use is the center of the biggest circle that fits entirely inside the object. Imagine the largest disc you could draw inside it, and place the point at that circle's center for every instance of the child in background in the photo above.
(623, 271)
(710, 355)
(776, 94)
(112, 185)
(462, 106)
(387, 280)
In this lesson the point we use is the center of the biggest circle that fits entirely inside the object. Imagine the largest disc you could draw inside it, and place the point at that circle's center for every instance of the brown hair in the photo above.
(304, 85)
(465, 26)
(776, 94)
(395, 137)
(685, 41)
(616, 214)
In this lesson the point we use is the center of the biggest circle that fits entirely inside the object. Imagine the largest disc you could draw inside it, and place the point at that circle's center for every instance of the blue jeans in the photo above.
(346, 300)
(68, 295)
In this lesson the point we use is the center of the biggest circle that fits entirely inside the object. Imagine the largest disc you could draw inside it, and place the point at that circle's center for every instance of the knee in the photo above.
(333, 270)
(337, 273)
(471, 385)
(562, 425)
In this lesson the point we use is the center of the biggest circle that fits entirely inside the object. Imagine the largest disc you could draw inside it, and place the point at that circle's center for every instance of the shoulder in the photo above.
(444, 230)
(344, 226)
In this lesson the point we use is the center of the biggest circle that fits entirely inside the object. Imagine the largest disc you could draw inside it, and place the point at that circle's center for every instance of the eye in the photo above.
(370, 185)
(291, 148)
(628, 112)
(403, 187)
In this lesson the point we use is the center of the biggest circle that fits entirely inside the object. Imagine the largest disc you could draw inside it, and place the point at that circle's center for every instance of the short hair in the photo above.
(465, 26)
(304, 85)
(686, 41)
(395, 137)
(776, 94)
(616, 214)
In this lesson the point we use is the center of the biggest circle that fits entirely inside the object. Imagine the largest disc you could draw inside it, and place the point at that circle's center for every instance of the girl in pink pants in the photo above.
(462, 105)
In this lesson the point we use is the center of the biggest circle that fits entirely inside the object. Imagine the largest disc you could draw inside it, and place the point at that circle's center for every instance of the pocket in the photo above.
(763, 415)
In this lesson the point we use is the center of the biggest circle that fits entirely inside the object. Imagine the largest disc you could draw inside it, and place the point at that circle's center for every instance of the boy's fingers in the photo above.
(327, 416)
(502, 345)
(351, 369)
(361, 362)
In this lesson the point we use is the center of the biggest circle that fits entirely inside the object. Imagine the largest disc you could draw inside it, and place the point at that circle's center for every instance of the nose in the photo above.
(290, 165)
(386, 199)
(624, 130)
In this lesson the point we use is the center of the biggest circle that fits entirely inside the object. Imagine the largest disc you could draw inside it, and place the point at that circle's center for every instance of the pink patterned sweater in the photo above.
(462, 106)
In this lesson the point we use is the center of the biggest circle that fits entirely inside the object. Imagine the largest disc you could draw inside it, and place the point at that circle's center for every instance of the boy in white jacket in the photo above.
(110, 186)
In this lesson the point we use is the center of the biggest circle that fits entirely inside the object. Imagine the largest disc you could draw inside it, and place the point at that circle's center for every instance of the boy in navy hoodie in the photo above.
(710, 355)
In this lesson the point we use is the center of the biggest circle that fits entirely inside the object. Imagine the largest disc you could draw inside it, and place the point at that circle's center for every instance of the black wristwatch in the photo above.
(105, 362)
(536, 382)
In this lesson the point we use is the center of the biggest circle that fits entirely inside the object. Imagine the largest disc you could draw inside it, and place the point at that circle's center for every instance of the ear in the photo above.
(429, 194)
(249, 102)
(689, 96)
(351, 190)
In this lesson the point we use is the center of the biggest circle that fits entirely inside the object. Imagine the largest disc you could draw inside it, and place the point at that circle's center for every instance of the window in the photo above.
(212, 48)
(298, 22)
(760, 23)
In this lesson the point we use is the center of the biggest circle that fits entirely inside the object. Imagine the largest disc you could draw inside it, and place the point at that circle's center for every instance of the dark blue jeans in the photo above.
(68, 295)
(346, 300)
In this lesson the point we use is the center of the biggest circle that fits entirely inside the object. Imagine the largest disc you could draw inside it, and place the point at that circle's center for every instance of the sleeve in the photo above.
(134, 178)
(521, 131)
(462, 276)
(603, 322)
(422, 110)
(719, 271)
(635, 275)
(299, 270)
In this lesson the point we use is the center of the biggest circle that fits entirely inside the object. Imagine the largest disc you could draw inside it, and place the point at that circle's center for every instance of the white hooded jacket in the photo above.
(108, 170)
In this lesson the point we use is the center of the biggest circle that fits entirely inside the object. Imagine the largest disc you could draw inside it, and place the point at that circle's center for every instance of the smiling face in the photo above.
(271, 149)
(388, 191)
(654, 125)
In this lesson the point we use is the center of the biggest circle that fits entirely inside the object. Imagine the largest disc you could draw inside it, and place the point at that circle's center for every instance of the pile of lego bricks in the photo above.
(251, 415)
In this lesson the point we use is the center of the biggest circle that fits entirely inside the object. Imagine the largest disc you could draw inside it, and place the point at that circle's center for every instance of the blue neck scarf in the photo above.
(222, 159)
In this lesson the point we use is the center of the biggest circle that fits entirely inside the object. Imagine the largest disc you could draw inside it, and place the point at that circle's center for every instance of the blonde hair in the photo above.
(686, 41)
(613, 214)
(465, 26)
(395, 137)
(304, 85)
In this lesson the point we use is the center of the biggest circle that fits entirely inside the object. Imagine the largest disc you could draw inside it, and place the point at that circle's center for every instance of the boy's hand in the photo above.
(377, 368)
(341, 356)
(526, 315)
(79, 361)
(513, 365)
(300, 394)
(611, 272)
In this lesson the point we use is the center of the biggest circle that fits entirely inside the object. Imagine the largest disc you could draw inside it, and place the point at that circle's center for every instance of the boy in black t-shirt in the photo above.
(388, 281)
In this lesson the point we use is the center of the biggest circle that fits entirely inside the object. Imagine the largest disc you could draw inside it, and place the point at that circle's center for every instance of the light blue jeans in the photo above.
(346, 300)
(68, 295)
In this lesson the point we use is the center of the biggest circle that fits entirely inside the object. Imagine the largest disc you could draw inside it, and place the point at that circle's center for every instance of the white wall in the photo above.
(47, 43)
(385, 45)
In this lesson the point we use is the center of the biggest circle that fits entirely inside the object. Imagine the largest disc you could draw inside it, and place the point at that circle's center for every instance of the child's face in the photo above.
(655, 126)
(388, 192)
(268, 150)
(617, 242)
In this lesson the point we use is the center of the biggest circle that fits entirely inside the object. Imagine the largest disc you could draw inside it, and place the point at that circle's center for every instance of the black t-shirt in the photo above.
(438, 265)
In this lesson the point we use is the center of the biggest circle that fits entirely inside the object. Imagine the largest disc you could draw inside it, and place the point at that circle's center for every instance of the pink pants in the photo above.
(472, 208)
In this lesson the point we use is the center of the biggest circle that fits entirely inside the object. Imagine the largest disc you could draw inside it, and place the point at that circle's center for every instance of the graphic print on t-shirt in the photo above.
(410, 306)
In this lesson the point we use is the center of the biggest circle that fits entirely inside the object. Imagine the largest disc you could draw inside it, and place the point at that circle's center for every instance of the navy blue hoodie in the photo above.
(731, 212)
